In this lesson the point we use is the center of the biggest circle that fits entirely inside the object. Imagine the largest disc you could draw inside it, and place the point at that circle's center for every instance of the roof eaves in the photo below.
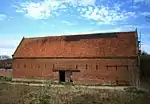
(18, 46)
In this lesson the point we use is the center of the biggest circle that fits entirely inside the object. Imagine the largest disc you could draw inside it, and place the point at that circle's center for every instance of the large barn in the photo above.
(98, 58)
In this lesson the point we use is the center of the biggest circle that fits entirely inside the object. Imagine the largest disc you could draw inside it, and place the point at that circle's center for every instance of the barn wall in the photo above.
(92, 71)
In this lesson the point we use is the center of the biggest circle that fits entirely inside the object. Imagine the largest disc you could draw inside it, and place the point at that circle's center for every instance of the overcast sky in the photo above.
(30, 18)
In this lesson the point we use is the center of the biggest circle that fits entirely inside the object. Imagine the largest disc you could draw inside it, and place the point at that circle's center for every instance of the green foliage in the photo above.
(144, 53)
(145, 66)
(6, 63)
(4, 57)
(68, 94)
(41, 96)
(133, 90)
(5, 79)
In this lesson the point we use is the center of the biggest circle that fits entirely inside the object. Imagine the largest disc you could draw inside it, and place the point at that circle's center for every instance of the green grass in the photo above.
(22, 94)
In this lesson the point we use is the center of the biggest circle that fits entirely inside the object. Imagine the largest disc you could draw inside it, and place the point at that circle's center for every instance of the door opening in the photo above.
(69, 76)
(61, 76)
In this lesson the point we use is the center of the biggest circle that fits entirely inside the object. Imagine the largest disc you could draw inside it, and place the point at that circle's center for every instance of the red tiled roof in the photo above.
(85, 45)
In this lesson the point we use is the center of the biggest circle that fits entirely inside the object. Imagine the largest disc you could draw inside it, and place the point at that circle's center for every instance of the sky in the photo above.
(37, 18)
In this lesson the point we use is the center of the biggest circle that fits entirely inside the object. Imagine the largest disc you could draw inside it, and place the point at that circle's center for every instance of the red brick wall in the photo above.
(90, 75)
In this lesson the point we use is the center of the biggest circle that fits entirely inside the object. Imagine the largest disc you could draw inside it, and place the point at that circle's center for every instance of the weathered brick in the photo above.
(91, 56)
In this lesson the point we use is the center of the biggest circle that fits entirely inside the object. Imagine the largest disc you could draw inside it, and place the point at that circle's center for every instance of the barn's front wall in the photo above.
(91, 71)
(93, 58)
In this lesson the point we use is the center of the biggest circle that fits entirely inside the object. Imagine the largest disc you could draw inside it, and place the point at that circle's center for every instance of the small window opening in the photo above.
(117, 82)
(86, 66)
(96, 67)
(127, 67)
(116, 68)
(107, 67)
(24, 65)
(76, 66)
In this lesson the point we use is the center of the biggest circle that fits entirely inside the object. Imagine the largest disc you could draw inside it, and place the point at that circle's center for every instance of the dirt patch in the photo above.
(7, 73)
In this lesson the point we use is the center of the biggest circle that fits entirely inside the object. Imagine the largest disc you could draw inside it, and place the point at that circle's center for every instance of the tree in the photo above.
(4, 57)
(144, 53)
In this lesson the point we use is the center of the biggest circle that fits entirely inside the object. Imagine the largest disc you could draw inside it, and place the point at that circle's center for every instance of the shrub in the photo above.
(5, 79)
(133, 90)
(41, 96)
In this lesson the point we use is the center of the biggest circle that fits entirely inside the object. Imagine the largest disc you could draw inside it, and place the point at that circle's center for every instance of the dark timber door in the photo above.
(61, 76)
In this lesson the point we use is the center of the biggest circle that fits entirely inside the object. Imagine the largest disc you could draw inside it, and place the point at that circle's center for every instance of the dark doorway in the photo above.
(61, 76)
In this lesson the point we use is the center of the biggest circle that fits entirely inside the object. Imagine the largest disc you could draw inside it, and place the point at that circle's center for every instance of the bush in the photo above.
(4, 79)
(133, 90)
(41, 96)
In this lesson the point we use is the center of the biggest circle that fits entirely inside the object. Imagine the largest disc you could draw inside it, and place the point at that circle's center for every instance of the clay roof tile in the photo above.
(83, 45)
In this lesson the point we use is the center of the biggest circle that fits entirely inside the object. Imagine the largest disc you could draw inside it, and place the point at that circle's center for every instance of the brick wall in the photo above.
(92, 71)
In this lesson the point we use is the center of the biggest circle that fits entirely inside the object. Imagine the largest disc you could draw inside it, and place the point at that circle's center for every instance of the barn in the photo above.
(96, 58)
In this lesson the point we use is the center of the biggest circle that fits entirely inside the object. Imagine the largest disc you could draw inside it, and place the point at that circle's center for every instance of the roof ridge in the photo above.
(81, 34)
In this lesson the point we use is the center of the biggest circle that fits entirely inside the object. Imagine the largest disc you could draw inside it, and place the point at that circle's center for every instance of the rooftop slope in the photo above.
(84, 45)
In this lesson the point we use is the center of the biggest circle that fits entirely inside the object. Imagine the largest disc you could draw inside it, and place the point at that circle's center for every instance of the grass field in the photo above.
(23, 94)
